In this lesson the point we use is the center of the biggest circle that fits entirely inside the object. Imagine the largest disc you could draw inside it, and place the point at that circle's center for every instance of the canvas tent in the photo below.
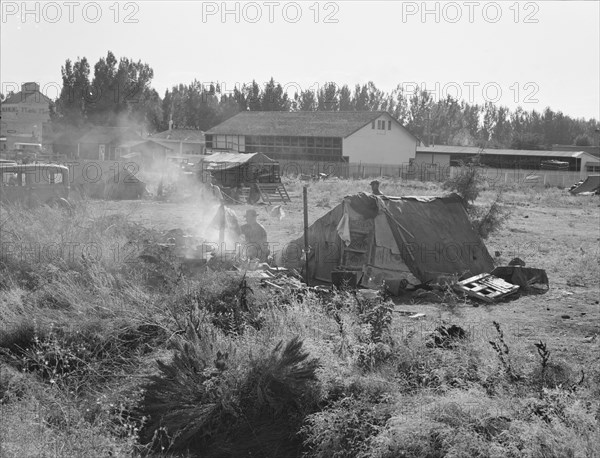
(591, 184)
(105, 181)
(418, 239)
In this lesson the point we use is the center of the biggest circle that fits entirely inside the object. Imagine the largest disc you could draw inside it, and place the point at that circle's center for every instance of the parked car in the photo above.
(35, 184)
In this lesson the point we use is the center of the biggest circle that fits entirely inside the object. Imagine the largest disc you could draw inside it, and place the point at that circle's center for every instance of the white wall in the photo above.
(374, 146)
(585, 158)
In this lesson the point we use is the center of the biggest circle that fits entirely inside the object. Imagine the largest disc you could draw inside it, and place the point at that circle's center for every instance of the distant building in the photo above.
(23, 116)
(146, 152)
(102, 143)
(445, 155)
(182, 142)
(325, 136)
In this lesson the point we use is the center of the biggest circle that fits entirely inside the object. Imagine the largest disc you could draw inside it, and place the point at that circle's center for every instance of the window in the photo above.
(373, 125)
(389, 125)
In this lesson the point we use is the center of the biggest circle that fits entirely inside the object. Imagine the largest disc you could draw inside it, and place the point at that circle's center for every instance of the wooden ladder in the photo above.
(359, 250)
(273, 192)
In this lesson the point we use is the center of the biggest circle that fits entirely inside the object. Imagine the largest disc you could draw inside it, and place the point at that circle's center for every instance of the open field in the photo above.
(79, 339)
(550, 230)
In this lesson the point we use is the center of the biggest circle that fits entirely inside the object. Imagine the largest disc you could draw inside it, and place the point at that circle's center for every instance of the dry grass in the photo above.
(381, 389)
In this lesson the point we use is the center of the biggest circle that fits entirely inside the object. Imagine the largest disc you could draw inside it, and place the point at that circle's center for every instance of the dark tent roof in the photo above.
(297, 123)
(100, 180)
(591, 184)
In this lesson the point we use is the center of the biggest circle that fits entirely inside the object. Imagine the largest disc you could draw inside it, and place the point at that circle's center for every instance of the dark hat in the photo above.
(251, 212)
(374, 182)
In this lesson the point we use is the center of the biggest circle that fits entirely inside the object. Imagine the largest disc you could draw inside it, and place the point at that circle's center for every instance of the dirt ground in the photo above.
(562, 237)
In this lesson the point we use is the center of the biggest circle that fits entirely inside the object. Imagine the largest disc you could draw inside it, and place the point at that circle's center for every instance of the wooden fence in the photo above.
(429, 172)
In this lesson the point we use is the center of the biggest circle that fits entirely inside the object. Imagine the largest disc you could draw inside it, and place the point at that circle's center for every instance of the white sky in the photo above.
(555, 60)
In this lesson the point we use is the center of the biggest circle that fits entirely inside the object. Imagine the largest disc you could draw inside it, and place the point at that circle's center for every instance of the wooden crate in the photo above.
(486, 287)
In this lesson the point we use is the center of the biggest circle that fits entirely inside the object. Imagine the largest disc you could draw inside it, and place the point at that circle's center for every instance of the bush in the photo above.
(468, 183)
(346, 429)
(487, 220)
(219, 404)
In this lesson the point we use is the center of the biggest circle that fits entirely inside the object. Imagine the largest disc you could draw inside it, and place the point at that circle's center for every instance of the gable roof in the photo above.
(298, 123)
(181, 135)
(26, 97)
(103, 134)
(134, 143)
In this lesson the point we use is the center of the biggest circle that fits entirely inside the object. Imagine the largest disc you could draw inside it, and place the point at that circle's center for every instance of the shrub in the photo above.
(345, 429)
(468, 183)
(487, 220)
(226, 405)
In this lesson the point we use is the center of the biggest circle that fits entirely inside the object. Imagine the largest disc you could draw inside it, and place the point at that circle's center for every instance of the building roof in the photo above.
(181, 135)
(26, 97)
(103, 134)
(298, 123)
(223, 161)
(594, 150)
(447, 149)
(134, 143)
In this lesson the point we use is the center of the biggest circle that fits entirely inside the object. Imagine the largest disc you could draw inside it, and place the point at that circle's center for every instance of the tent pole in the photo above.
(222, 223)
(305, 199)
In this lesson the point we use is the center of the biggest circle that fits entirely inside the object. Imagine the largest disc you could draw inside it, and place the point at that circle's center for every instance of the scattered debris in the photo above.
(565, 317)
(446, 336)
(412, 315)
(530, 280)
(486, 287)
(589, 186)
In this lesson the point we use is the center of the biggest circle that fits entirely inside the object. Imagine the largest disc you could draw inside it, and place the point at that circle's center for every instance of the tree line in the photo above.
(120, 93)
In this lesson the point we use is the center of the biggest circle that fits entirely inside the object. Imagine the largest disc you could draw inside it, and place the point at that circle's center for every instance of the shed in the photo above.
(234, 169)
(147, 151)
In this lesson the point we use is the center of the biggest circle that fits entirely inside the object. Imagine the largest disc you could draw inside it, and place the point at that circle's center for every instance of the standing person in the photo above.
(215, 190)
(375, 188)
(255, 236)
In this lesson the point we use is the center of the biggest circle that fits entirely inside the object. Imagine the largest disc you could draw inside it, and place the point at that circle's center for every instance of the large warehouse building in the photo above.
(444, 156)
(324, 136)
